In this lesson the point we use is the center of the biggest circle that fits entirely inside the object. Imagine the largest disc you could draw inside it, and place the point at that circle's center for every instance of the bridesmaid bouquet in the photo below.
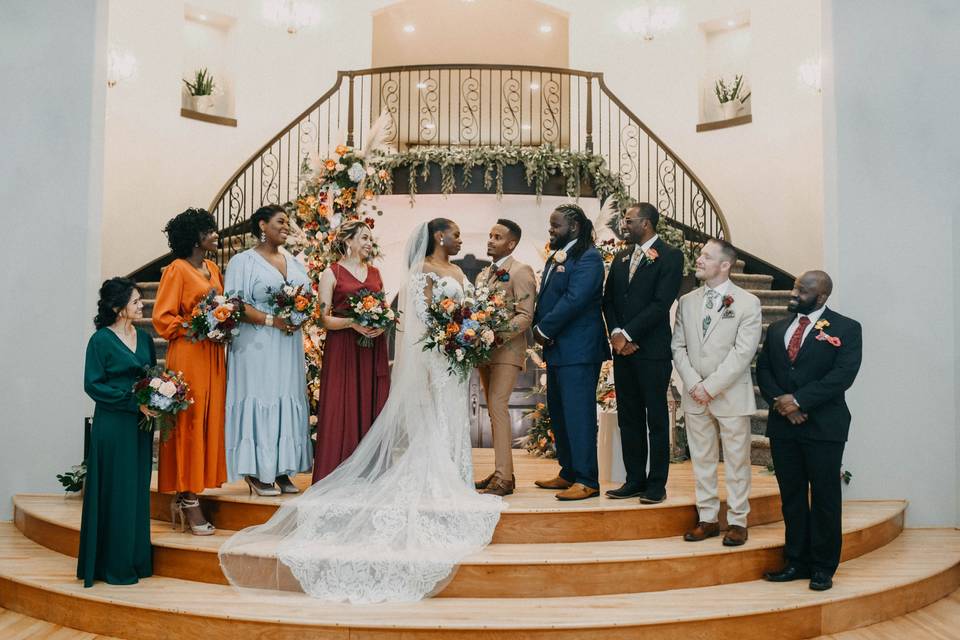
(370, 309)
(295, 304)
(165, 392)
(215, 318)
(467, 332)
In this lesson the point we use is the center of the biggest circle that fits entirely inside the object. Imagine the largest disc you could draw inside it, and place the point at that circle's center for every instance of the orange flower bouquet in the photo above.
(215, 318)
(295, 304)
(370, 309)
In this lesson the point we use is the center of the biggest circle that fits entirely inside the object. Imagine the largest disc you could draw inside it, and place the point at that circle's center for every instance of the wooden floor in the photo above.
(558, 570)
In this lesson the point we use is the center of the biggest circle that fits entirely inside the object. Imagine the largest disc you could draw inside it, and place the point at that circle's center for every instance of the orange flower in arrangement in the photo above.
(196, 312)
(469, 333)
(330, 165)
(448, 304)
(452, 328)
(369, 302)
(541, 406)
(221, 313)
(496, 300)
(368, 194)
(383, 174)
(341, 149)
(301, 303)
(480, 316)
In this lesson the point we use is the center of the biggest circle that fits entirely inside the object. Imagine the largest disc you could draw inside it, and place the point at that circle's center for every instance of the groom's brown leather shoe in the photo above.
(554, 483)
(482, 484)
(501, 486)
(578, 491)
(736, 536)
(702, 531)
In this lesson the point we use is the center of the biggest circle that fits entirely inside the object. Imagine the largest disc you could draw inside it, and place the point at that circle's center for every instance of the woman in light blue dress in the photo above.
(267, 418)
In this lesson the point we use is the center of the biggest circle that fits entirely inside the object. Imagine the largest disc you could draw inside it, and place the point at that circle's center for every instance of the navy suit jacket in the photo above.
(569, 311)
(817, 379)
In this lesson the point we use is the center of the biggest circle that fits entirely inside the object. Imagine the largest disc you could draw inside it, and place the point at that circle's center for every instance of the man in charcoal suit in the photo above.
(643, 284)
(807, 363)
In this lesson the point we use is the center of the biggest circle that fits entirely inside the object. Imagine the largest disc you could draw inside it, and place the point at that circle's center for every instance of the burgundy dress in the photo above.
(354, 380)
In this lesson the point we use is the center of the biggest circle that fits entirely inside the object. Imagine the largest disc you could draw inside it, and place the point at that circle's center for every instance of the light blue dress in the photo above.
(267, 420)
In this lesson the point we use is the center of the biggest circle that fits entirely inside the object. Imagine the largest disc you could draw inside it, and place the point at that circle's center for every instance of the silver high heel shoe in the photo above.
(260, 488)
(286, 485)
(176, 512)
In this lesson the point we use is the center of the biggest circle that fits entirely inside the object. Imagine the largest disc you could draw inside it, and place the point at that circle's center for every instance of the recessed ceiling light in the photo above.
(202, 16)
(409, 28)
(534, 86)
(731, 23)
(545, 28)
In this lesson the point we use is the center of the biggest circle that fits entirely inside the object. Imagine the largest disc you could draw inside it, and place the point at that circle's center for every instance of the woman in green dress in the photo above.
(115, 529)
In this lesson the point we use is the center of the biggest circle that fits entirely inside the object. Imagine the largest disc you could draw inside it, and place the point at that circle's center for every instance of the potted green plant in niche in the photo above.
(731, 96)
(201, 91)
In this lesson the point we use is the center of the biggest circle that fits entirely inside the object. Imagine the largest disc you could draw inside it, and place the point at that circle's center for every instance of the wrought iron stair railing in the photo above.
(467, 105)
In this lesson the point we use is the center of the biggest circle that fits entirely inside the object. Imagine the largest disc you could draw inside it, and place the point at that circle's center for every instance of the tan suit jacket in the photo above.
(721, 358)
(521, 287)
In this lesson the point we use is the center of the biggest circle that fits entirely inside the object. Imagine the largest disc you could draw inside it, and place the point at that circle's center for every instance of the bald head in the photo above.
(810, 292)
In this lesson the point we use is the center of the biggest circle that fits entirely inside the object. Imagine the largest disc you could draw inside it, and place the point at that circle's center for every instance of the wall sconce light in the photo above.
(809, 73)
(121, 65)
(647, 21)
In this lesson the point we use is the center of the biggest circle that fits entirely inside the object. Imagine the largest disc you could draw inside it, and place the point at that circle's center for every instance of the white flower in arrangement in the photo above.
(543, 379)
(215, 334)
(356, 172)
(371, 171)
(487, 336)
(560, 256)
(460, 355)
(220, 299)
(167, 389)
(390, 314)
(439, 336)
(155, 383)
(339, 167)
(490, 309)
(288, 289)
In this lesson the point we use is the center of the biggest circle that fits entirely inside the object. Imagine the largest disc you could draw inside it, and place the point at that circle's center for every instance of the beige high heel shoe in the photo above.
(176, 512)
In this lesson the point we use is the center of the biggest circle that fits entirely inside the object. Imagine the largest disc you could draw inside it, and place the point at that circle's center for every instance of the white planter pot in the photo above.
(203, 104)
(730, 109)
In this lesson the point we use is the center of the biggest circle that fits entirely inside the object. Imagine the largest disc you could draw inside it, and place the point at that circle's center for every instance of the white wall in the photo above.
(892, 200)
(51, 174)
(767, 175)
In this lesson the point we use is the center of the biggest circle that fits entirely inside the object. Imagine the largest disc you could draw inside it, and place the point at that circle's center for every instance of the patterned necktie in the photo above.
(797, 339)
(635, 261)
(707, 319)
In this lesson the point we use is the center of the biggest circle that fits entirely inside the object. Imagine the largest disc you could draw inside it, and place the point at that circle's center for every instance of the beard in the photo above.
(803, 308)
(559, 242)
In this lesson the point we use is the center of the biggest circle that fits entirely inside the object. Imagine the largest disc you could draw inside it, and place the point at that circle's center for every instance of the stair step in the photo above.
(751, 281)
(510, 570)
(912, 571)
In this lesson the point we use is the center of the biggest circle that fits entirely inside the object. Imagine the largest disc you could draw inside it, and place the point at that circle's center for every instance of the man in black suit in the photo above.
(807, 363)
(643, 283)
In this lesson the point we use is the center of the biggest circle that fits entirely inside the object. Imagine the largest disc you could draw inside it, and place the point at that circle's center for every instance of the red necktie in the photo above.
(797, 339)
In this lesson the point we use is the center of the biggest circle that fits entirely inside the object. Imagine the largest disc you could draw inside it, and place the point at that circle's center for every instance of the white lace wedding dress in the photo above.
(394, 520)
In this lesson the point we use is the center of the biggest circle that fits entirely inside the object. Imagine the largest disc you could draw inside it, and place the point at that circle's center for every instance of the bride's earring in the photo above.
(441, 242)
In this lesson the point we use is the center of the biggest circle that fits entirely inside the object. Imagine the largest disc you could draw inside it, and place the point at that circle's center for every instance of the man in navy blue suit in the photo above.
(568, 322)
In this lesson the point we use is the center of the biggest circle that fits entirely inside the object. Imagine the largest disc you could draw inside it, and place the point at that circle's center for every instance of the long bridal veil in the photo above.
(394, 520)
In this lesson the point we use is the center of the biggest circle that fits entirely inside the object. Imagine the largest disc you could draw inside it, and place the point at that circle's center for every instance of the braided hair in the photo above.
(574, 214)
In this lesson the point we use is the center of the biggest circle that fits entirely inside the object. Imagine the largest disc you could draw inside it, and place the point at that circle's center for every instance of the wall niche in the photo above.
(207, 45)
(726, 70)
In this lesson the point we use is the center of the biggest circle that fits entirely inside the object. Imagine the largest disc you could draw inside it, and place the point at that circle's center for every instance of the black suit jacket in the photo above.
(817, 379)
(641, 306)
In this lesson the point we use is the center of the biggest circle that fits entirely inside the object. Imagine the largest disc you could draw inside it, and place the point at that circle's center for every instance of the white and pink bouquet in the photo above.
(164, 392)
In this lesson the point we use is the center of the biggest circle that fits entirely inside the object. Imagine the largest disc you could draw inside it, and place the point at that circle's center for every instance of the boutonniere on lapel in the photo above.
(502, 275)
(725, 306)
(823, 336)
(558, 259)
(651, 255)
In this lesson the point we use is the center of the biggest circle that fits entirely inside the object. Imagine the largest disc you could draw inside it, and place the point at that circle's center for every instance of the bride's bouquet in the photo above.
(295, 304)
(165, 393)
(466, 332)
(370, 309)
(216, 318)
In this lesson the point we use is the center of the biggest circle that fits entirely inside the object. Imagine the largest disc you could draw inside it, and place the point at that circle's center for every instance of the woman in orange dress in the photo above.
(193, 459)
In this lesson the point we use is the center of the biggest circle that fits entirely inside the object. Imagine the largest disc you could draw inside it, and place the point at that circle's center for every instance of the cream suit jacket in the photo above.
(521, 287)
(721, 358)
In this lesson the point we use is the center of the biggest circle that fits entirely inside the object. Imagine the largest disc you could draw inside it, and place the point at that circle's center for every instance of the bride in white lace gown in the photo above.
(396, 518)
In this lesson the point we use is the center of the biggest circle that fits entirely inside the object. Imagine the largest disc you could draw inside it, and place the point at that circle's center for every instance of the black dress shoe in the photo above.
(626, 491)
(787, 574)
(821, 581)
(653, 497)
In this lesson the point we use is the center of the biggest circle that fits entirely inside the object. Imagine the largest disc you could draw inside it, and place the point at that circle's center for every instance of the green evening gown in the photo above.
(115, 529)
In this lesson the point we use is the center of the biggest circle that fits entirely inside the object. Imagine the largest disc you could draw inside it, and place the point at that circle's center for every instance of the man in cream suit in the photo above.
(715, 337)
(499, 375)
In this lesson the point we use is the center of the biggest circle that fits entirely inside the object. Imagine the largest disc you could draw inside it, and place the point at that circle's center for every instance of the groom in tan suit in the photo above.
(715, 338)
(499, 375)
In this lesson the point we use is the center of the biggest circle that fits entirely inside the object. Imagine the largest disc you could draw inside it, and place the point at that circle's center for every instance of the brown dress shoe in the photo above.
(702, 531)
(482, 484)
(554, 483)
(578, 491)
(735, 537)
(501, 486)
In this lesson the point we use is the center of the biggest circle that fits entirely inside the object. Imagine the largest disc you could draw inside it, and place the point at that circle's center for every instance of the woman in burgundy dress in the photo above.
(354, 380)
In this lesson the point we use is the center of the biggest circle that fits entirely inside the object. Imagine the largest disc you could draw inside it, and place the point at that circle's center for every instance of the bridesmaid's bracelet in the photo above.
(268, 321)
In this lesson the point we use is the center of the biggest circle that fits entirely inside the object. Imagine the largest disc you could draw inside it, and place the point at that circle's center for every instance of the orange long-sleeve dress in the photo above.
(193, 459)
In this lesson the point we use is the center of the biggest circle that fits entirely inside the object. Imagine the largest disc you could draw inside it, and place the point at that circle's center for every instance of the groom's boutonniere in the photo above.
(502, 275)
(560, 256)
(823, 336)
(725, 305)
(651, 254)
